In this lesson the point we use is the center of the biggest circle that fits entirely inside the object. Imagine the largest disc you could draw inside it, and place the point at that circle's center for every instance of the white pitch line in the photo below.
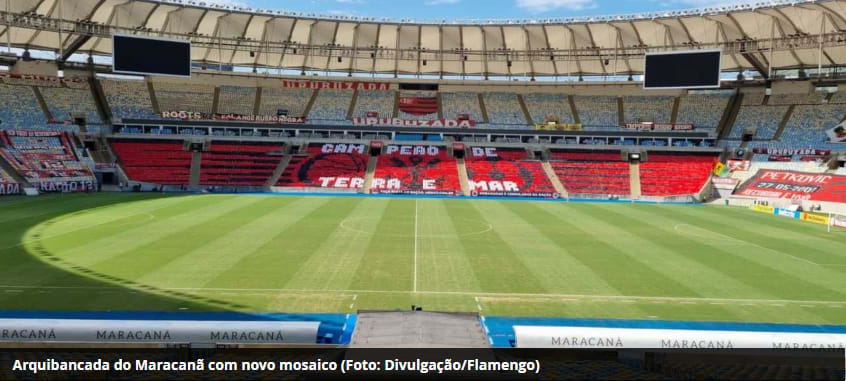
(616, 298)
(740, 241)
(415, 245)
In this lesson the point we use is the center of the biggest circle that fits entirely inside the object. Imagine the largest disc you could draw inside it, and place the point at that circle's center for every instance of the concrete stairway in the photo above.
(556, 182)
(196, 164)
(280, 168)
(462, 177)
(368, 176)
(634, 180)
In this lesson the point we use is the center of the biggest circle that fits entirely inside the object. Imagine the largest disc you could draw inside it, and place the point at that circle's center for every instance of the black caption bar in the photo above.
(352, 363)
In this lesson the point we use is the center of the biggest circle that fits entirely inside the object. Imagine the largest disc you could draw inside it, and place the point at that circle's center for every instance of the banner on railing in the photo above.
(720, 170)
(65, 186)
(49, 78)
(418, 105)
(724, 183)
(10, 189)
(559, 127)
(838, 133)
(191, 115)
(338, 85)
(602, 337)
(763, 209)
(396, 122)
(791, 151)
(158, 331)
(739, 165)
(815, 218)
(788, 213)
(32, 133)
(659, 126)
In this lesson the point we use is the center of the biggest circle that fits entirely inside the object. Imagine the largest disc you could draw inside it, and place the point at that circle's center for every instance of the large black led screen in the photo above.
(698, 69)
(141, 55)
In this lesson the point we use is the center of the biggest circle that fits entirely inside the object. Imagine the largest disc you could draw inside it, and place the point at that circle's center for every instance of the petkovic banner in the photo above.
(795, 185)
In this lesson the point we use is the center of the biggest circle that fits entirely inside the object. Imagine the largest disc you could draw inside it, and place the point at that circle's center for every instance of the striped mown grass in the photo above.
(341, 254)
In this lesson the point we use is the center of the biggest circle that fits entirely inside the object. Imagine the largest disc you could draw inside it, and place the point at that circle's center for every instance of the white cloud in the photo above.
(540, 6)
(441, 2)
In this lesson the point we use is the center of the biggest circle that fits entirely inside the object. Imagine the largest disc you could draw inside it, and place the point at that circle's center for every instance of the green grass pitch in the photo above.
(342, 254)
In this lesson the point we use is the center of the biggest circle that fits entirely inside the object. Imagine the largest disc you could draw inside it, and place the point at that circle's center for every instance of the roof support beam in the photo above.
(376, 48)
(287, 43)
(74, 46)
(484, 53)
(530, 52)
(549, 48)
(261, 52)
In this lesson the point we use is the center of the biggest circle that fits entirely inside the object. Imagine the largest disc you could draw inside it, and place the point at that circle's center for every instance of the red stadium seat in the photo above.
(399, 173)
(159, 162)
(318, 169)
(507, 172)
(675, 174)
(592, 172)
(239, 164)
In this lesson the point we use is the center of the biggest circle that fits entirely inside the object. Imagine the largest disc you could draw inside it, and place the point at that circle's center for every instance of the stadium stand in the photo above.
(796, 99)
(807, 127)
(648, 108)
(543, 105)
(838, 98)
(592, 173)
(675, 174)
(342, 169)
(243, 164)
(504, 109)
(5, 178)
(237, 100)
(44, 159)
(701, 110)
(507, 172)
(416, 170)
(455, 104)
(128, 99)
(294, 101)
(159, 162)
(63, 101)
(753, 98)
(19, 108)
(331, 105)
(184, 97)
(763, 119)
(597, 113)
(380, 102)
(419, 114)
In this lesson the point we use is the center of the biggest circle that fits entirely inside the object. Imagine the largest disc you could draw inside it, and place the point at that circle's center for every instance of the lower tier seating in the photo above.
(159, 162)
(319, 169)
(592, 172)
(239, 164)
(419, 173)
(675, 174)
(508, 173)
(45, 158)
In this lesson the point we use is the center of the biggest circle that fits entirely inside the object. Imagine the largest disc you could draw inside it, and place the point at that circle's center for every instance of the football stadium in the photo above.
(183, 174)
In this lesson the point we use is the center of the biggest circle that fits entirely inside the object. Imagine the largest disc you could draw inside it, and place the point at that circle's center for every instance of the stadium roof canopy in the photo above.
(762, 36)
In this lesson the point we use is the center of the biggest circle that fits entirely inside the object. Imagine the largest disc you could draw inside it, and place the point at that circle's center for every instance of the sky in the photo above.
(476, 9)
